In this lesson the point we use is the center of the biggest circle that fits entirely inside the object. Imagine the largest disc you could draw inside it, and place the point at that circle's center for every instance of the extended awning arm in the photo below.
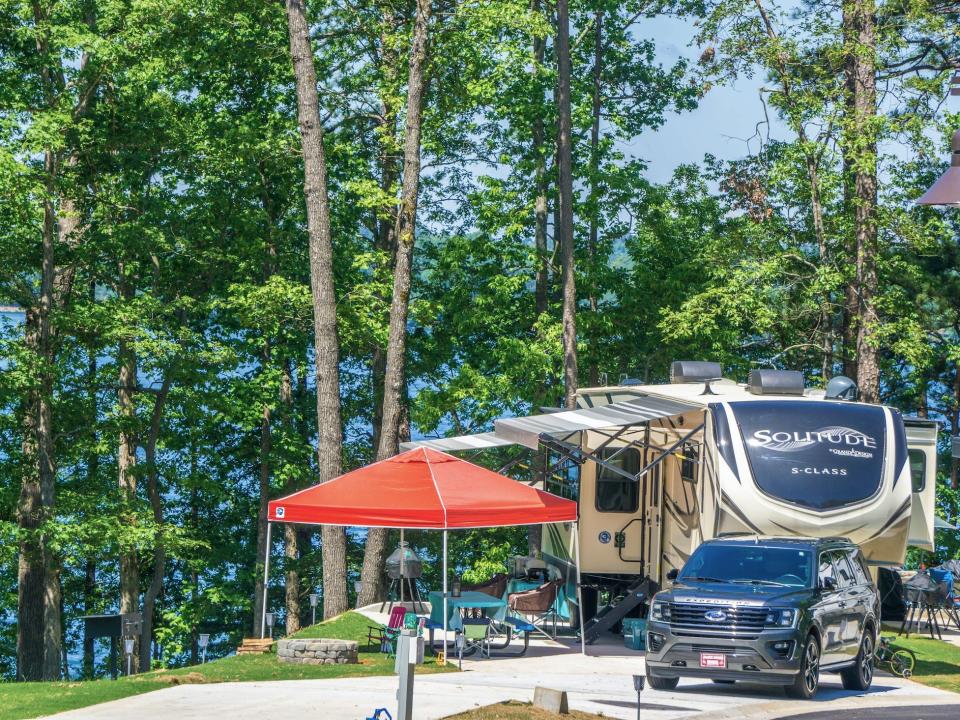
(577, 454)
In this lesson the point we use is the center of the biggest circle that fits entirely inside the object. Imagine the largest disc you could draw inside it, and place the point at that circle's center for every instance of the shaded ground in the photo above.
(915, 712)
(29, 700)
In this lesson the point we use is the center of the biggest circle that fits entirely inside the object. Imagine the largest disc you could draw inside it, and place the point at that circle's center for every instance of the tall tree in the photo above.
(394, 379)
(564, 233)
(326, 348)
(859, 145)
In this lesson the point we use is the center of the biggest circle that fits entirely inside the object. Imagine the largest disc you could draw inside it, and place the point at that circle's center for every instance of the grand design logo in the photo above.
(840, 440)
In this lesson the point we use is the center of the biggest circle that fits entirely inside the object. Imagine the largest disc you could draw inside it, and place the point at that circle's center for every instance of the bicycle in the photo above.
(900, 660)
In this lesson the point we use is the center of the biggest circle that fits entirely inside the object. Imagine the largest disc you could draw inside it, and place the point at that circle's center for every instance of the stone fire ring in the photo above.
(318, 652)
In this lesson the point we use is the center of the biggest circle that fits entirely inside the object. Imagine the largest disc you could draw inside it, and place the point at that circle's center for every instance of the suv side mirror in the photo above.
(829, 584)
(672, 575)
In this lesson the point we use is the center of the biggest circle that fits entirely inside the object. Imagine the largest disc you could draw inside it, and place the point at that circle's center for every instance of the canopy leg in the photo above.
(576, 560)
(444, 593)
(402, 556)
(266, 583)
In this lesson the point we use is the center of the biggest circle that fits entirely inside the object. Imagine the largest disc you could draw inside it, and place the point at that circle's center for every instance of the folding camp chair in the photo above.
(476, 635)
(387, 634)
(538, 606)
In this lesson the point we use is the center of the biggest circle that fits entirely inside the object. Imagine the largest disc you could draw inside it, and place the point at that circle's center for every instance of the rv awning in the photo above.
(461, 442)
(527, 430)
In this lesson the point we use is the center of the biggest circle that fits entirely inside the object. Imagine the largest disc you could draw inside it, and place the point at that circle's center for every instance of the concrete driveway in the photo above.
(599, 683)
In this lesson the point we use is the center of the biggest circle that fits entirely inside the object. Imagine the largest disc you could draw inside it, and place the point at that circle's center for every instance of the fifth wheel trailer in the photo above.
(658, 469)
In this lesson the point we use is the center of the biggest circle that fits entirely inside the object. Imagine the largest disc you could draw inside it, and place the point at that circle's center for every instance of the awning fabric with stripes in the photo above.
(527, 430)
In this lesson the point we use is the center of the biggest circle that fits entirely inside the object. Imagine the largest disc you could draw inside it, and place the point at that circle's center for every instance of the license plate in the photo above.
(713, 660)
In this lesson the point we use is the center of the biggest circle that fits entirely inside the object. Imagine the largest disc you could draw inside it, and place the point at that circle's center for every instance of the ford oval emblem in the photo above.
(715, 615)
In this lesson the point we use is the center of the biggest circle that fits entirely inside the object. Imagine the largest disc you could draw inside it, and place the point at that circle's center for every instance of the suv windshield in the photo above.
(750, 564)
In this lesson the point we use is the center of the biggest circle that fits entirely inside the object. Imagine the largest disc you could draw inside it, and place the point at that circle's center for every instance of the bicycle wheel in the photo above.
(902, 662)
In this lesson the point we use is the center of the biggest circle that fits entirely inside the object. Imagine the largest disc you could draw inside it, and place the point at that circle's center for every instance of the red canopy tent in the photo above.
(421, 489)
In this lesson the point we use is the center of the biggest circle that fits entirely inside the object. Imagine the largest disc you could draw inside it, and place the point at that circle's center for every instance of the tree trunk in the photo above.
(394, 383)
(565, 183)
(266, 443)
(542, 278)
(326, 348)
(860, 159)
(156, 504)
(594, 238)
(39, 624)
(127, 465)
(386, 221)
(290, 548)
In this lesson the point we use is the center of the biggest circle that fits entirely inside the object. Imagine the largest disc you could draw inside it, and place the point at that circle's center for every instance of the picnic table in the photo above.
(494, 608)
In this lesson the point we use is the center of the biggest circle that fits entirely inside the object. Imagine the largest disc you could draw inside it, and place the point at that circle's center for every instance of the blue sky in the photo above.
(722, 124)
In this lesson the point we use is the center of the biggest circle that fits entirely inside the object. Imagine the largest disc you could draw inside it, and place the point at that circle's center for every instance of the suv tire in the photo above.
(859, 675)
(806, 682)
(662, 683)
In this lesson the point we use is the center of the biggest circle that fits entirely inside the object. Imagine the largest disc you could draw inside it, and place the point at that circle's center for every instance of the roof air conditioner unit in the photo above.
(694, 371)
(775, 382)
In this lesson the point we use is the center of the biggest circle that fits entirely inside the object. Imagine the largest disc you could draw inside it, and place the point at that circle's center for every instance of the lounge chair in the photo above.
(538, 606)
(387, 634)
(495, 586)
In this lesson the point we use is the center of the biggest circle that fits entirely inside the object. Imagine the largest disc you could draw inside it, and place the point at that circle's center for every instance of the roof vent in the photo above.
(775, 382)
(694, 371)
(841, 388)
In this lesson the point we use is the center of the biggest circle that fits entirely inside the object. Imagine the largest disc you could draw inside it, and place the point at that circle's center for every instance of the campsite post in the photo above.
(406, 661)
(266, 581)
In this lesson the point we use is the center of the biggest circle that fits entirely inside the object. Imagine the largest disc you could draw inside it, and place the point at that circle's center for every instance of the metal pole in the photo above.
(266, 583)
(444, 594)
(576, 559)
(402, 557)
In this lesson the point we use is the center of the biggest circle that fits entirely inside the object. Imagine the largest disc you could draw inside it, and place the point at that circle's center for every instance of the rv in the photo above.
(658, 469)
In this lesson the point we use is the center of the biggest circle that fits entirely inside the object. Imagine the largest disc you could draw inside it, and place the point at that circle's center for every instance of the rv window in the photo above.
(615, 493)
(688, 466)
(918, 470)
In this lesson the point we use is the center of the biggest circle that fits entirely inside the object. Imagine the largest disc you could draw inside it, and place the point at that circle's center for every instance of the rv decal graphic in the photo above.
(815, 454)
(846, 441)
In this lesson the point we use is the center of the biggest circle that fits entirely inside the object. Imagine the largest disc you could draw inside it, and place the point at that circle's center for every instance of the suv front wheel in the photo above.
(805, 684)
(859, 675)
(662, 683)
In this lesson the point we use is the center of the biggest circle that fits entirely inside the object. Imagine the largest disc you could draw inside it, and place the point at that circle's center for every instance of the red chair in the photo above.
(386, 634)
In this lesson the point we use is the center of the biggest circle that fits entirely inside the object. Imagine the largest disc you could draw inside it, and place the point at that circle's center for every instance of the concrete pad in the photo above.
(600, 682)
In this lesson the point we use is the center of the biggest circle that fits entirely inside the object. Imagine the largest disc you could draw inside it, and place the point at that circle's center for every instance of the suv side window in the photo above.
(844, 571)
(853, 557)
(825, 569)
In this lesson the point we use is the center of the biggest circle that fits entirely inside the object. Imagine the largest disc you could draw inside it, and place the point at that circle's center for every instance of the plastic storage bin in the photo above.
(635, 633)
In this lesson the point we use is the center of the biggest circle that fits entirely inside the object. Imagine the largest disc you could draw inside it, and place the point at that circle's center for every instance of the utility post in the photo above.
(408, 651)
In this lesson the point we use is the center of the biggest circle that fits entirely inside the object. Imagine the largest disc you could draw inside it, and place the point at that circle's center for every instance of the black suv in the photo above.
(767, 610)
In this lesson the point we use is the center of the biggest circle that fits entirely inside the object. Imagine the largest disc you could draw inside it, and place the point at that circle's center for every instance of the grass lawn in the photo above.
(28, 700)
(938, 663)
(518, 711)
